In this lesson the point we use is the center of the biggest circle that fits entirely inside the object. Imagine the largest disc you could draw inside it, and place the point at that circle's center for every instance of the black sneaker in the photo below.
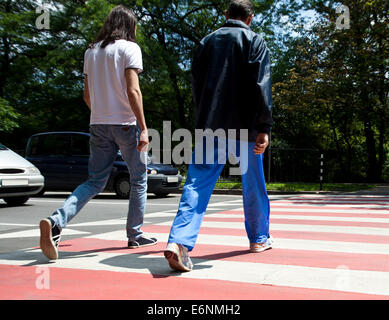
(142, 242)
(50, 237)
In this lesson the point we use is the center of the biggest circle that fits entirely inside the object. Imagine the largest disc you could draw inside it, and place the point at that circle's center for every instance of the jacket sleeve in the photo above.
(197, 74)
(259, 65)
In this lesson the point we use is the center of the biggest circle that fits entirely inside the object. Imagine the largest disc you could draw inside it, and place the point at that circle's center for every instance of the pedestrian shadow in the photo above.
(37, 258)
(152, 262)
(225, 255)
(142, 258)
(157, 266)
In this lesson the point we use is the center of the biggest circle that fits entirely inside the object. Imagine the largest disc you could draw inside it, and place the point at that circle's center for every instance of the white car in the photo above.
(19, 178)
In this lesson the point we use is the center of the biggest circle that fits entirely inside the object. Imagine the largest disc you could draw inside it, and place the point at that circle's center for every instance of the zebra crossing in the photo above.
(326, 247)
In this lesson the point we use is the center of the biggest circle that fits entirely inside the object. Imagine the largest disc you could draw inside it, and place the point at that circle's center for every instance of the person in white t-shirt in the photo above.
(111, 90)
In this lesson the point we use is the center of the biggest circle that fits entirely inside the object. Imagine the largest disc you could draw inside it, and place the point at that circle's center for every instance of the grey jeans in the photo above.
(105, 141)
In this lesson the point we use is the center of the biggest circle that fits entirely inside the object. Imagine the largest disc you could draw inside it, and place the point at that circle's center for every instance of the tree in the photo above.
(340, 79)
(171, 31)
(41, 69)
(8, 116)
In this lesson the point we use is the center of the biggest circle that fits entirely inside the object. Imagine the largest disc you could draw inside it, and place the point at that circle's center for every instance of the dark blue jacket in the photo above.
(232, 81)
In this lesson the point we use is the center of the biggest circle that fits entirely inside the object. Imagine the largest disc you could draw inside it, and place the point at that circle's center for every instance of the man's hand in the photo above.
(143, 141)
(262, 143)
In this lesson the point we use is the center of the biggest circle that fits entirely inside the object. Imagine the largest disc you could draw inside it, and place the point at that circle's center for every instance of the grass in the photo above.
(300, 186)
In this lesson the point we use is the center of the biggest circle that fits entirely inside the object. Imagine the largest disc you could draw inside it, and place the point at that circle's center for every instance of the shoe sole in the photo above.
(46, 243)
(174, 261)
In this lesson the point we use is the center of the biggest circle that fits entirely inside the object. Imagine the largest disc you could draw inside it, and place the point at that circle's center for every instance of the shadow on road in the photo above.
(152, 262)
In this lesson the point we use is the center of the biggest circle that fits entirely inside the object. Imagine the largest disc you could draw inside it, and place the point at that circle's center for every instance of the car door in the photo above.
(51, 154)
(79, 158)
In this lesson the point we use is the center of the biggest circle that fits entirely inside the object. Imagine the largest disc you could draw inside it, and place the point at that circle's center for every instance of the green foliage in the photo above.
(8, 117)
(330, 86)
(335, 95)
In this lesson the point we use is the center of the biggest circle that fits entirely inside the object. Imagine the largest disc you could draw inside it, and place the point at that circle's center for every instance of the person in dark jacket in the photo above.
(232, 92)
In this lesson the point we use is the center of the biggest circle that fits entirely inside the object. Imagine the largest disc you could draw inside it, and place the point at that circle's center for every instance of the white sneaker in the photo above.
(260, 247)
(178, 258)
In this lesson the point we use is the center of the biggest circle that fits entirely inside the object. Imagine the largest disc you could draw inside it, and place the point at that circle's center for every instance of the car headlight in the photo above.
(152, 172)
(33, 170)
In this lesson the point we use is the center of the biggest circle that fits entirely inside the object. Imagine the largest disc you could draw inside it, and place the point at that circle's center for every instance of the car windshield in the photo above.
(2, 147)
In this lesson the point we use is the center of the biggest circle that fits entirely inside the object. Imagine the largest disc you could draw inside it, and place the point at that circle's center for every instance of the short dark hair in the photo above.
(120, 24)
(240, 9)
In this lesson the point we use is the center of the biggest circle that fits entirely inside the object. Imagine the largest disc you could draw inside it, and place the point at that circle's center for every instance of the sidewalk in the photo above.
(381, 189)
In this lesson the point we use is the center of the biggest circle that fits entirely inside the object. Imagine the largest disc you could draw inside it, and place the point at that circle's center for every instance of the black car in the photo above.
(62, 158)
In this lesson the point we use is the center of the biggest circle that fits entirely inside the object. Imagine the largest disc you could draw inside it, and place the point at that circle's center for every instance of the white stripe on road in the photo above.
(122, 221)
(112, 222)
(375, 204)
(290, 244)
(316, 209)
(113, 202)
(36, 233)
(355, 196)
(18, 224)
(298, 227)
(325, 209)
(297, 217)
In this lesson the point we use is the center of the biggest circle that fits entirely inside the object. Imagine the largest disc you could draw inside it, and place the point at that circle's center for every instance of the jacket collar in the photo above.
(233, 23)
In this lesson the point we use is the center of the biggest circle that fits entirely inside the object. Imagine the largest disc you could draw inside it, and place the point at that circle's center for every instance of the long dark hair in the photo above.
(120, 24)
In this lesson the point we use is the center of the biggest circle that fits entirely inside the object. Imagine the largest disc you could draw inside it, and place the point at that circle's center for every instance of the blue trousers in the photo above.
(200, 182)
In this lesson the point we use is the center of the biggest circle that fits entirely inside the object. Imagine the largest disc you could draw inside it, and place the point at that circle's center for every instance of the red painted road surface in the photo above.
(325, 248)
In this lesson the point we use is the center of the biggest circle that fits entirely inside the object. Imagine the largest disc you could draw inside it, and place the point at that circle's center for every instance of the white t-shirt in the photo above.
(107, 83)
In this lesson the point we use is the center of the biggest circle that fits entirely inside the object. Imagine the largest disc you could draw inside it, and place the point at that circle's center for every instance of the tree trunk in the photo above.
(372, 175)
(382, 94)
(381, 143)
(339, 153)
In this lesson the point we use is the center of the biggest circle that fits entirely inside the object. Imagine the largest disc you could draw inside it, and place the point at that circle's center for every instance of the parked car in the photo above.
(62, 157)
(19, 179)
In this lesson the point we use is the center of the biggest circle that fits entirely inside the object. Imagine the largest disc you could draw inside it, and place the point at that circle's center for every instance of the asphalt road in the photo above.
(333, 246)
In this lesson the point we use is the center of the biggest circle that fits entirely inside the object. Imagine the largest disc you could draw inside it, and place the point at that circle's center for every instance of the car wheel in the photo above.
(161, 195)
(122, 187)
(16, 201)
